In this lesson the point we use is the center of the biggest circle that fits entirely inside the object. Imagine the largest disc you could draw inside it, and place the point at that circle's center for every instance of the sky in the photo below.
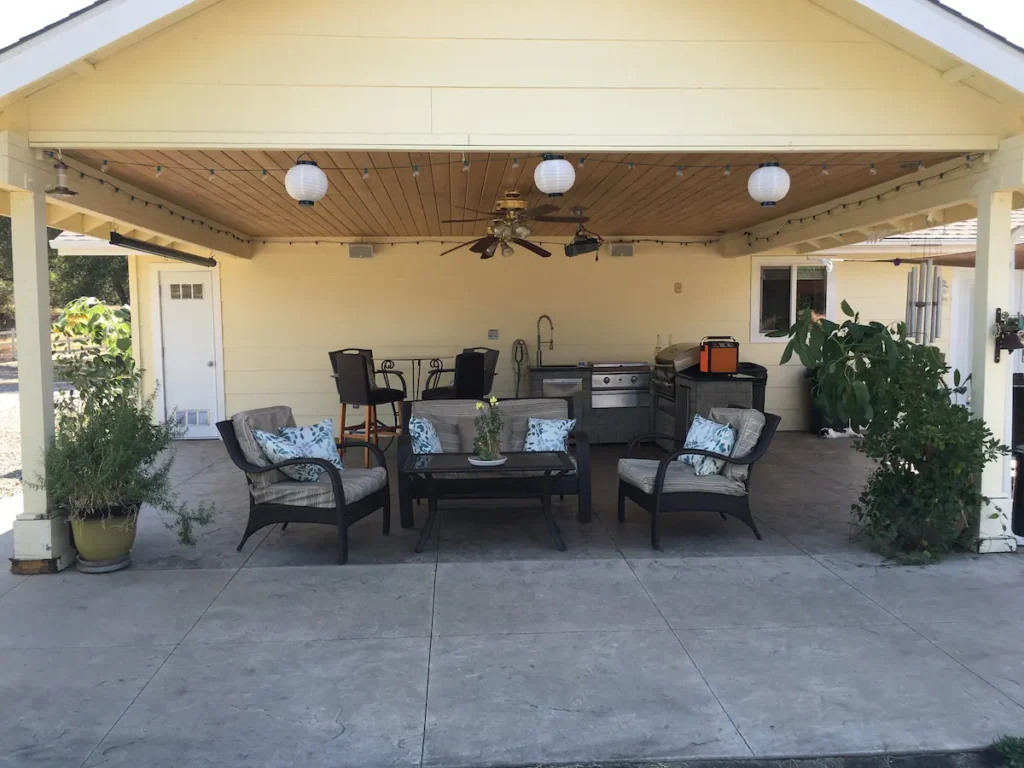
(20, 17)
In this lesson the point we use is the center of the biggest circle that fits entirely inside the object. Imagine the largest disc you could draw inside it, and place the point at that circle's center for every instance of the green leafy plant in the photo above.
(109, 457)
(93, 343)
(922, 498)
(1011, 750)
(487, 443)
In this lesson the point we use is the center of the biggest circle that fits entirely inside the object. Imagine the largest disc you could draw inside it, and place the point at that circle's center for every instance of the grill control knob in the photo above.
(606, 380)
(632, 379)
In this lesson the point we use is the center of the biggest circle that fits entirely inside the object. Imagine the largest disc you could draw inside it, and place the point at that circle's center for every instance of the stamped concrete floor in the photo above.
(493, 648)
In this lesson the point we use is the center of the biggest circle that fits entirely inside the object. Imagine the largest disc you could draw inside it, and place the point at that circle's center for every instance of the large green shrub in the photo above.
(92, 343)
(109, 455)
(922, 498)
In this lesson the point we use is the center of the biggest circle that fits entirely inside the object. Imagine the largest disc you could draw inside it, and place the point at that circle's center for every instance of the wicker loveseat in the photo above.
(339, 498)
(445, 415)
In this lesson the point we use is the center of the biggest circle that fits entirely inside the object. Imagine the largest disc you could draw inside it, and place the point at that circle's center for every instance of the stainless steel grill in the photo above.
(620, 385)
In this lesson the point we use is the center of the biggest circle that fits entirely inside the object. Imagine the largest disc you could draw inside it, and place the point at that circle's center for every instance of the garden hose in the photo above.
(520, 356)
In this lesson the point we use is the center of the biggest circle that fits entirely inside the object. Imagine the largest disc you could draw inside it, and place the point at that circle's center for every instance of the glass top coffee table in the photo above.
(537, 470)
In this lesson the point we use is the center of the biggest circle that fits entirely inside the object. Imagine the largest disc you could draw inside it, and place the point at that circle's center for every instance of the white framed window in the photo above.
(781, 287)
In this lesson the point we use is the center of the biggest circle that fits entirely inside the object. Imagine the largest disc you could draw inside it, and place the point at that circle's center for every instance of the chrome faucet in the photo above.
(551, 339)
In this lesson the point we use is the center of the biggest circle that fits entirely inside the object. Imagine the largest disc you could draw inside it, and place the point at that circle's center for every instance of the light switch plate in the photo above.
(678, 287)
(492, 334)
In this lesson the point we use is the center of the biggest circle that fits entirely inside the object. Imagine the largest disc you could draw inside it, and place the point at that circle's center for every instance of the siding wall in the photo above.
(284, 310)
(669, 74)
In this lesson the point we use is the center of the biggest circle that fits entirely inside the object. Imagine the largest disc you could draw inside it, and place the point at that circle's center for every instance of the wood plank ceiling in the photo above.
(648, 199)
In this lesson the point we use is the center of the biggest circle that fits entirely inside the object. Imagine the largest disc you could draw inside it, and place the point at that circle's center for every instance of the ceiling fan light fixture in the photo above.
(490, 249)
(506, 250)
(306, 182)
(554, 175)
(522, 230)
(768, 184)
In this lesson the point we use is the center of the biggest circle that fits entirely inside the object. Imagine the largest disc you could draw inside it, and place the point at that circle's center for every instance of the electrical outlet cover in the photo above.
(492, 334)
(678, 287)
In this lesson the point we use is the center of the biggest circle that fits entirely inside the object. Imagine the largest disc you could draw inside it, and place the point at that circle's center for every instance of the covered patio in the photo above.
(493, 648)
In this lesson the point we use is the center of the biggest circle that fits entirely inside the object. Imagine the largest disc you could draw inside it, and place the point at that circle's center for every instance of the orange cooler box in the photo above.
(719, 354)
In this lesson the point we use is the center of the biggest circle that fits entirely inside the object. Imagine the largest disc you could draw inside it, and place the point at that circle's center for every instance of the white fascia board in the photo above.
(77, 38)
(938, 26)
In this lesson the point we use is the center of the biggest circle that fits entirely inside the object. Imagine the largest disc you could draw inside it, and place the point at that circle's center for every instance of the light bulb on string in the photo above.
(159, 171)
(580, 162)
(824, 170)
(365, 174)
(104, 166)
(515, 162)
(679, 171)
(920, 165)
(727, 171)
(212, 174)
(873, 170)
(264, 175)
(630, 166)
(415, 171)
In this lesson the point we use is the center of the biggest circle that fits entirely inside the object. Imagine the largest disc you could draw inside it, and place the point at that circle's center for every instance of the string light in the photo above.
(631, 166)
(679, 171)
(415, 171)
(920, 165)
(824, 170)
(515, 162)
(580, 162)
(727, 171)
(104, 166)
(264, 175)
(212, 174)
(465, 165)
(873, 170)
(365, 174)
(159, 171)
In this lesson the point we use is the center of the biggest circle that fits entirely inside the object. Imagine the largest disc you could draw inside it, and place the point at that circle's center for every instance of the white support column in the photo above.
(41, 540)
(990, 386)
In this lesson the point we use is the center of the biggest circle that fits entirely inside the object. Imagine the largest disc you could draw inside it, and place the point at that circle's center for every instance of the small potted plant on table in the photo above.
(487, 443)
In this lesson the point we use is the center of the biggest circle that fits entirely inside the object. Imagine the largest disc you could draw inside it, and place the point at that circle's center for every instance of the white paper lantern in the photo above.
(768, 184)
(306, 182)
(554, 175)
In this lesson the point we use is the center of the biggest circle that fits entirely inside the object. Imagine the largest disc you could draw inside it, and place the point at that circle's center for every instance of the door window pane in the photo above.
(175, 290)
(810, 290)
(775, 294)
(186, 290)
(197, 290)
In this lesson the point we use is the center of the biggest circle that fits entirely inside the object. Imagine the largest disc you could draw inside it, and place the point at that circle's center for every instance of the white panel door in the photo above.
(189, 350)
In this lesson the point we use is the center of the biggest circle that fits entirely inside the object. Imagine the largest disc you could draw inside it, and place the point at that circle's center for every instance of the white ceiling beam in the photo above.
(57, 215)
(890, 203)
(118, 203)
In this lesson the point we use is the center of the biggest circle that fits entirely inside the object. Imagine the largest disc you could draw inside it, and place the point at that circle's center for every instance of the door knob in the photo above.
(210, 364)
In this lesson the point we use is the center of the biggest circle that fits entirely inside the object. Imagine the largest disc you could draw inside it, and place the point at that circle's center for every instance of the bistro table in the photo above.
(436, 363)
(540, 469)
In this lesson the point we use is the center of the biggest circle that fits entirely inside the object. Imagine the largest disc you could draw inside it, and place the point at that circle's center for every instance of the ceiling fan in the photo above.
(510, 225)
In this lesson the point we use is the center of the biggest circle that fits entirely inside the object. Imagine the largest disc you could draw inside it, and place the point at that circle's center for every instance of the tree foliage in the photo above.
(105, 277)
(98, 343)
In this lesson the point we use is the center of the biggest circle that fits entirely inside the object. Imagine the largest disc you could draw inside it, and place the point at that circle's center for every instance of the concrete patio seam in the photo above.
(694, 663)
(430, 644)
(924, 637)
(161, 666)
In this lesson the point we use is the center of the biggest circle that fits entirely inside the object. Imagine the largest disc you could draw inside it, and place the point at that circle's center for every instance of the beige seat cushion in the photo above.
(679, 478)
(445, 415)
(270, 420)
(749, 424)
(356, 483)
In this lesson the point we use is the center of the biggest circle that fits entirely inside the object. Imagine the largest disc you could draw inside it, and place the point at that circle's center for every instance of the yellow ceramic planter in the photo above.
(110, 538)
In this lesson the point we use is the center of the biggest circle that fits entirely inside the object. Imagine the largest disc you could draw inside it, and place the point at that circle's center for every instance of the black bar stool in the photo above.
(355, 378)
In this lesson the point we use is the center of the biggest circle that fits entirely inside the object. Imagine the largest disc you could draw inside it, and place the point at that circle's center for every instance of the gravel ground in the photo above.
(10, 431)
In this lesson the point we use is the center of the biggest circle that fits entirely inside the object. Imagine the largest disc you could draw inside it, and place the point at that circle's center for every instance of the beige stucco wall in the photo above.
(284, 310)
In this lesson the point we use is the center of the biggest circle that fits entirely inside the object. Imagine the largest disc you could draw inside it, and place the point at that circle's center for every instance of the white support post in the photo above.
(990, 385)
(41, 540)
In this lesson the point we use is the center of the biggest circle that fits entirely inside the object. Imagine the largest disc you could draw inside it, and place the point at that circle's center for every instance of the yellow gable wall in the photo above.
(284, 310)
(739, 74)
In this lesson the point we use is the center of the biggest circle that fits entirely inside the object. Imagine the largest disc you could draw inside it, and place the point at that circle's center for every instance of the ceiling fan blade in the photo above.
(461, 221)
(484, 243)
(563, 219)
(540, 210)
(531, 247)
(474, 210)
(460, 245)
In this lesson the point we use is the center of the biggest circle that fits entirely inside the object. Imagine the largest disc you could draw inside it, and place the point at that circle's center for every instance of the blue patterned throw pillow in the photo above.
(548, 434)
(316, 441)
(278, 449)
(707, 435)
(424, 436)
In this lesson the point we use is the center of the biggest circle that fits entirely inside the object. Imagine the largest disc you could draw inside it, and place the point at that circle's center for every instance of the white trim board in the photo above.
(976, 47)
(158, 333)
